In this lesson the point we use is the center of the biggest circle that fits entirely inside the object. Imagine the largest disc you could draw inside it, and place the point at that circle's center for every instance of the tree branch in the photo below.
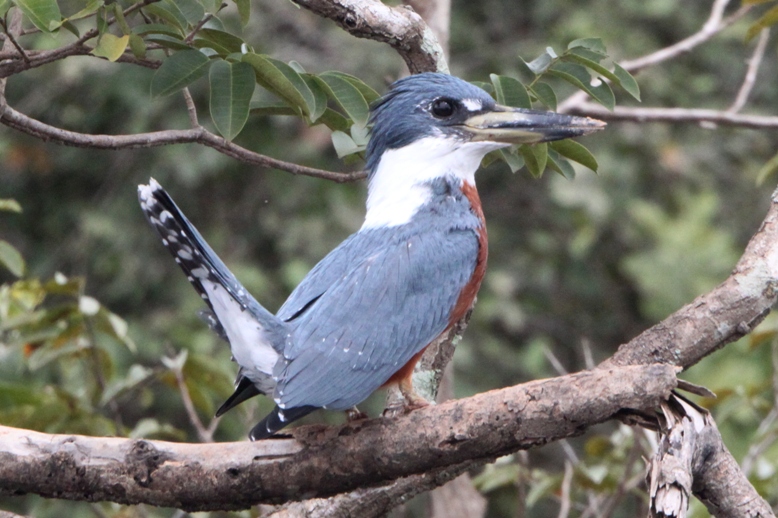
(712, 26)
(753, 68)
(675, 115)
(400, 27)
(323, 461)
(199, 135)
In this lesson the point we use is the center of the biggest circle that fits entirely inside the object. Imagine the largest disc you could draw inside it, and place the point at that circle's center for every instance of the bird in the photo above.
(362, 317)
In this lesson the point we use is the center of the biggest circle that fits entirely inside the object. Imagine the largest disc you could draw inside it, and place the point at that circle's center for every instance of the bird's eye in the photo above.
(442, 108)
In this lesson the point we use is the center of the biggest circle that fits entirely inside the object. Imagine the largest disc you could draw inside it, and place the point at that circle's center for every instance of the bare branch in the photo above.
(17, 120)
(191, 108)
(692, 456)
(203, 433)
(715, 24)
(10, 38)
(400, 27)
(323, 461)
(676, 115)
(373, 502)
(753, 68)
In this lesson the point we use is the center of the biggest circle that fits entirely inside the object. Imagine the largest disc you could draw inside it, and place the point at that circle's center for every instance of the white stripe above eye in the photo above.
(400, 184)
(473, 105)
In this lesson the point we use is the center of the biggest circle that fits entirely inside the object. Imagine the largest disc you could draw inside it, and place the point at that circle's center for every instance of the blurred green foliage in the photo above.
(576, 265)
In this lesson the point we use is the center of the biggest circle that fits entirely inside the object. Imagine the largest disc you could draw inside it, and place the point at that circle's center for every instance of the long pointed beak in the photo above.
(522, 126)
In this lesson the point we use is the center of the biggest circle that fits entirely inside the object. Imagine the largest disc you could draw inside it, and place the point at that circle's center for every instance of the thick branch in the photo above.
(400, 27)
(324, 460)
(17, 120)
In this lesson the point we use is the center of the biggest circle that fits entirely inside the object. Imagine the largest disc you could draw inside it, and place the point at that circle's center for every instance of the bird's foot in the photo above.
(408, 401)
(413, 400)
(354, 414)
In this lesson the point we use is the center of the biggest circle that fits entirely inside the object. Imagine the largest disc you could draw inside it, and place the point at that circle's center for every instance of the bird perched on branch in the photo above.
(362, 317)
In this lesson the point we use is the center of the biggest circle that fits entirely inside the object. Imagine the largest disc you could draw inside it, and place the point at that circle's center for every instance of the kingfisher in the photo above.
(362, 317)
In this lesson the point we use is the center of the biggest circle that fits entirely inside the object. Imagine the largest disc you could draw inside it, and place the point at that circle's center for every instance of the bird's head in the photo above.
(432, 125)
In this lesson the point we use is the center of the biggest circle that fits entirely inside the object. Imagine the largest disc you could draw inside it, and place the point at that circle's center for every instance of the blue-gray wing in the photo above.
(374, 318)
(329, 270)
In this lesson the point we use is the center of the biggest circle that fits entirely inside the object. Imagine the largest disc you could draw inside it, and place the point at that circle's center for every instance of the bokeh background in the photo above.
(576, 267)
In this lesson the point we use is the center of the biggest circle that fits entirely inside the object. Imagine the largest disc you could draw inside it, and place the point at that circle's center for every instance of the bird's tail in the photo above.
(278, 419)
(256, 336)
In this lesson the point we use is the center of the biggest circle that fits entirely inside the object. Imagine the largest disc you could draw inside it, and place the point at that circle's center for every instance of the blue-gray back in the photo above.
(374, 302)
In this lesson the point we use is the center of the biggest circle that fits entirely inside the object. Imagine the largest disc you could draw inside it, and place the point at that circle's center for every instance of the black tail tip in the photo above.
(276, 420)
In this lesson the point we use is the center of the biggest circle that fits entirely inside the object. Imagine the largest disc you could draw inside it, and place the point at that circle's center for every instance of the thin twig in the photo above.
(564, 503)
(554, 361)
(13, 41)
(753, 68)
(683, 115)
(203, 433)
(191, 108)
(715, 24)
(17, 120)
(191, 35)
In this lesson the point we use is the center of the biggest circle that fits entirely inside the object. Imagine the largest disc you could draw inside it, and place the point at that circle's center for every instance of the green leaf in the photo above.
(169, 42)
(366, 90)
(111, 47)
(155, 28)
(768, 19)
(575, 152)
(172, 15)
(91, 7)
(281, 79)
(178, 71)
(626, 81)
(629, 85)
(510, 92)
(344, 144)
(545, 94)
(541, 63)
(4, 6)
(137, 46)
(119, 15)
(192, 10)
(262, 108)
(334, 120)
(232, 85)
(11, 258)
(346, 95)
(221, 38)
(42, 13)
(577, 76)
(514, 161)
(535, 158)
(560, 165)
(593, 44)
(319, 96)
(244, 11)
(767, 170)
(10, 205)
(586, 53)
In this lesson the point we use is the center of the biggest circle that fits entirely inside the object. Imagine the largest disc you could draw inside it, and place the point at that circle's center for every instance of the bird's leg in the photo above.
(413, 399)
(354, 414)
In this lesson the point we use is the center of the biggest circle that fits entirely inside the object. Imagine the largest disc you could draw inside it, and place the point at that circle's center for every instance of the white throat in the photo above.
(400, 184)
